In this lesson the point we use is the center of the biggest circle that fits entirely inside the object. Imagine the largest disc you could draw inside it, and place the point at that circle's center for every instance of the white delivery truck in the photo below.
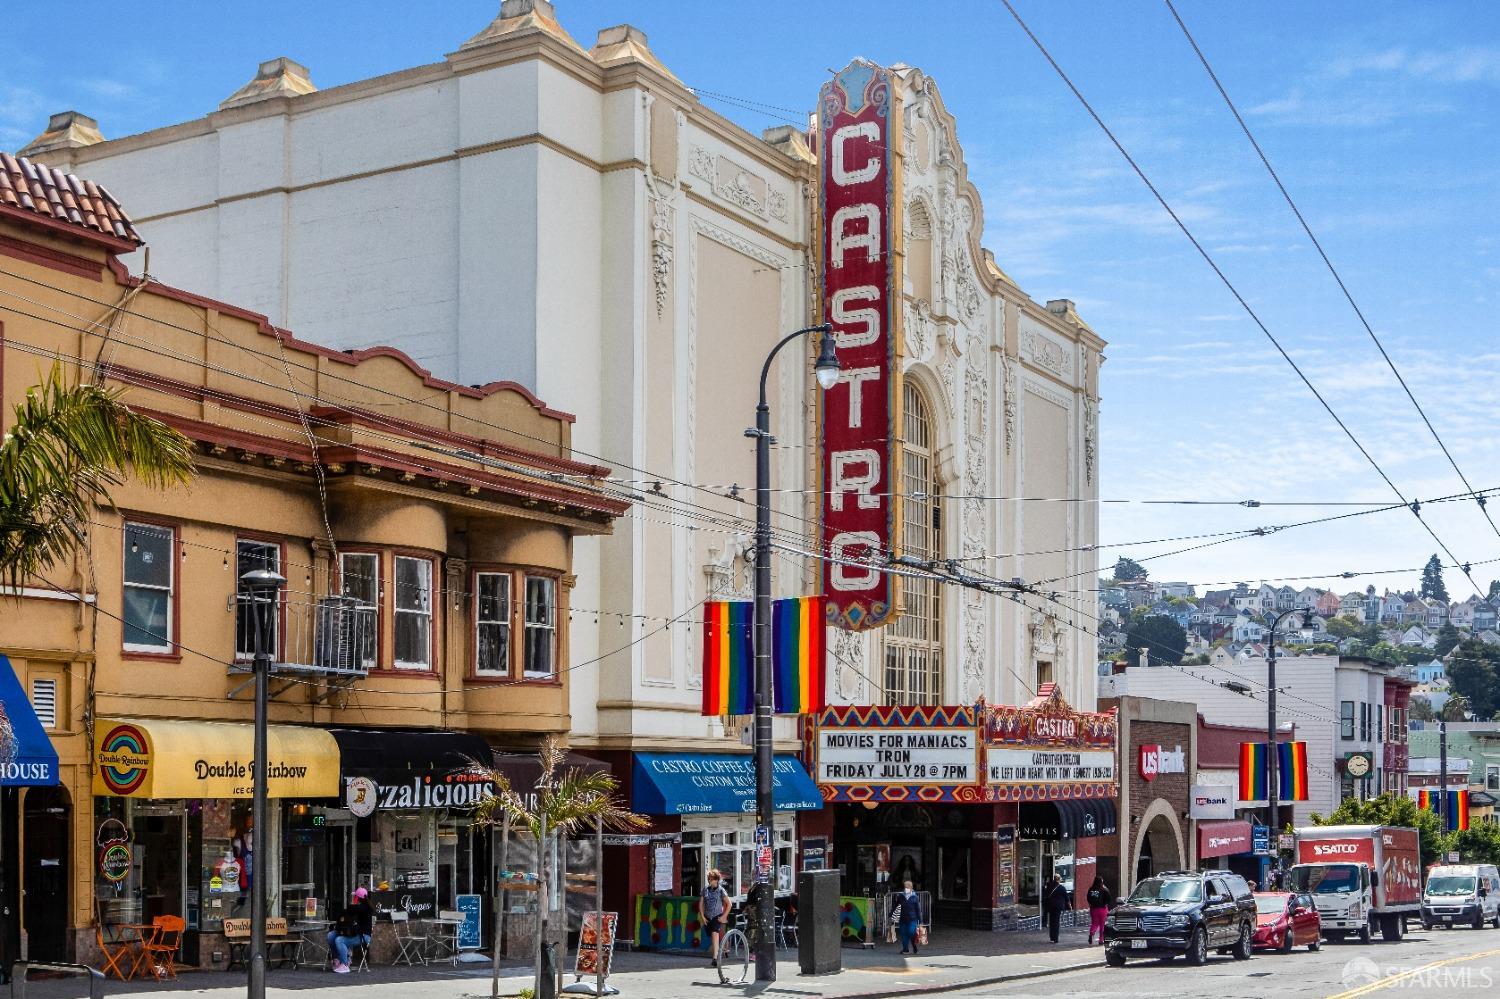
(1361, 878)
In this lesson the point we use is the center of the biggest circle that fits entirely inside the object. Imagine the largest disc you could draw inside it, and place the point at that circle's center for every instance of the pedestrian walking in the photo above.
(1054, 901)
(1098, 909)
(906, 916)
(713, 906)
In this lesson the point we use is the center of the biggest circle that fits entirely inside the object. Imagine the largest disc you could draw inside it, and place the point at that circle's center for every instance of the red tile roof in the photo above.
(62, 198)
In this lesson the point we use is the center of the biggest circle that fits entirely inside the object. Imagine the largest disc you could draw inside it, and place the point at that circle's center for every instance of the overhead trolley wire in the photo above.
(1233, 290)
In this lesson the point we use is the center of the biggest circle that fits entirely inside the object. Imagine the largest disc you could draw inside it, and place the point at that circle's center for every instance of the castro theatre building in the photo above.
(978, 805)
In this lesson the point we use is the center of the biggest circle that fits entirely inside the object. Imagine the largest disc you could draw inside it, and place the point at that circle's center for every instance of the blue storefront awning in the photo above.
(33, 762)
(698, 783)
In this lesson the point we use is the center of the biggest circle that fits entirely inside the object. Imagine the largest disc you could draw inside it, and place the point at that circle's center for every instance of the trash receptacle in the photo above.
(549, 971)
(819, 949)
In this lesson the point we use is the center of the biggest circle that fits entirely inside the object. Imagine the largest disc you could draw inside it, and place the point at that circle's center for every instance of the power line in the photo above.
(1338, 278)
(1224, 279)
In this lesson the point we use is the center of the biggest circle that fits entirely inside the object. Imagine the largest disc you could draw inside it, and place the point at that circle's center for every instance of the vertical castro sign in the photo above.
(860, 200)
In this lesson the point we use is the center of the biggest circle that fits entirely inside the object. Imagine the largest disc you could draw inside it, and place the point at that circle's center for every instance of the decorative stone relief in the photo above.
(1090, 437)
(701, 164)
(919, 332)
(1045, 632)
(740, 190)
(1008, 402)
(850, 672)
(728, 569)
(776, 204)
(1047, 355)
(661, 251)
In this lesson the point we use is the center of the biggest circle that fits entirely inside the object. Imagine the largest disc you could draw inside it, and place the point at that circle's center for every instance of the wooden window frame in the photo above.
(509, 575)
(516, 667)
(279, 652)
(338, 571)
(433, 620)
(173, 653)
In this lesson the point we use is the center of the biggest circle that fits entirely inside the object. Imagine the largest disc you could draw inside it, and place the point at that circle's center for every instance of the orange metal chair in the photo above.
(160, 951)
(115, 954)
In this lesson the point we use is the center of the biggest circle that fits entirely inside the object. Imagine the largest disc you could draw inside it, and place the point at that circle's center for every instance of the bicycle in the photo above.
(734, 948)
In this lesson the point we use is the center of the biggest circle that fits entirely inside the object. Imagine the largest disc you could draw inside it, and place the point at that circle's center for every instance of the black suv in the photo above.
(1182, 912)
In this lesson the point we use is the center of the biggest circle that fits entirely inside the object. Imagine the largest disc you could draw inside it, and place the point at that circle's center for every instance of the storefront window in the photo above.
(728, 843)
(359, 575)
(227, 855)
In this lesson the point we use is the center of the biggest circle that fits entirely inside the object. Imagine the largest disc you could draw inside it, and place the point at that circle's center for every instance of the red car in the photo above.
(1284, 920)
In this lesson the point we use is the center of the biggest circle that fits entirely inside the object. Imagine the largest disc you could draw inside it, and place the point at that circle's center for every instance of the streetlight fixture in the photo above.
(260, 587)
(1272, 787)
(827, 371)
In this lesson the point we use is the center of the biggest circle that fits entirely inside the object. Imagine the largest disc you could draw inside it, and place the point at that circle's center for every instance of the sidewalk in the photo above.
(956, 959)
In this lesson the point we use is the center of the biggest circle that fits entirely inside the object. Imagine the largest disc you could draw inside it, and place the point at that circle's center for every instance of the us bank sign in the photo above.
(860, 188)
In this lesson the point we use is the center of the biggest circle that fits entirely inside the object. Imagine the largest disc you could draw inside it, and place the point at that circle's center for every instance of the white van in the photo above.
(1461, 894)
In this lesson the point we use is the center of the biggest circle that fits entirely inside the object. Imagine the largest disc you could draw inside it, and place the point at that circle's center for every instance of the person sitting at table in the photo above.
(353, 929)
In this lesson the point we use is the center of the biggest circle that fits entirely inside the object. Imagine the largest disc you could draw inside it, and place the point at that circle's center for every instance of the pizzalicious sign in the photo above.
(860, 185)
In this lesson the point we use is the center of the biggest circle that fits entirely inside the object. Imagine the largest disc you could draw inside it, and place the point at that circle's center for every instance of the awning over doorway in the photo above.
(1224, 839)
(159, 758)
(524, 770)
(34, 762)
(1073, 818)
(697, 783)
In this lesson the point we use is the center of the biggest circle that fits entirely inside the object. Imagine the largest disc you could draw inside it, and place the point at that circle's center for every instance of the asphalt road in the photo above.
(1429, 964)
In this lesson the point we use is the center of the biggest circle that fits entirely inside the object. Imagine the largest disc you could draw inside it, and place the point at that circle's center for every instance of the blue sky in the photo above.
(1381, 118)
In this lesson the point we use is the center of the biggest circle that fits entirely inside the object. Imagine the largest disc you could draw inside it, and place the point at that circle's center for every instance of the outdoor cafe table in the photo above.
(145, 933)
(314, 934)
(445, 942)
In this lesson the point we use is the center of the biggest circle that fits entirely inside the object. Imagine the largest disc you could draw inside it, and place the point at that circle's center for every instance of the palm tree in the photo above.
(69, 446)
(1455, 708)
(566, 803)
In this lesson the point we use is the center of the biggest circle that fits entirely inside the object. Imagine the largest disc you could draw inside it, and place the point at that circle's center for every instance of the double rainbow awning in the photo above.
(160, 758)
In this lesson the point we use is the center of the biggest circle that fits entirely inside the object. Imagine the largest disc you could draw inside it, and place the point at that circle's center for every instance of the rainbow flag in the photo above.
(729, 657)
(1291, 764)
(798, 656)
(1253, 766)
(1458, 806)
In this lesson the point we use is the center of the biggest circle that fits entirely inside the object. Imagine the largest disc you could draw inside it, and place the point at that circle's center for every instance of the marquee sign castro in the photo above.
(860, 183)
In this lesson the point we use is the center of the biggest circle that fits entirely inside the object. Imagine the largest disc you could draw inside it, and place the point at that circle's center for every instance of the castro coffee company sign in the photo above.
(1154, 761)
(860, 186)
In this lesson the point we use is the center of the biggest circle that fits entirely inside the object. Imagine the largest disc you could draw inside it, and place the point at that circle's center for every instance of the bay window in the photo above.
(413, 613)
(359, 578)
(492, 620)
(541, 626)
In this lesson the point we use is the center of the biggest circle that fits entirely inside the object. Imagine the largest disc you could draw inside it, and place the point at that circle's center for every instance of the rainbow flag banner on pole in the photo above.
(1458, 806)
(798, 654)
(1291, 771)
(729, 657)
(1291, 768)
(1253, 771)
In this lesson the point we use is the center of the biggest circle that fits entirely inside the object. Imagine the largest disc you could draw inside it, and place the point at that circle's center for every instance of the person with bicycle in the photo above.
(713, 908)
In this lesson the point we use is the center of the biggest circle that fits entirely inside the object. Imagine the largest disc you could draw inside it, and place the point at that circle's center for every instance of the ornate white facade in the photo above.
(577, 220)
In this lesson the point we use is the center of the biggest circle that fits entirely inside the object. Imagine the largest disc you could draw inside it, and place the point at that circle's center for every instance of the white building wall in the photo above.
(582, 225)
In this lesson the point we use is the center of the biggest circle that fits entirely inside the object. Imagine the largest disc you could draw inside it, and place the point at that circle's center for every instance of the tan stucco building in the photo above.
(428, 592)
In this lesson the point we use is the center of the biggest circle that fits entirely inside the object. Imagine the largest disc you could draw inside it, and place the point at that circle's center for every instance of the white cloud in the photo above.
(1464, 64)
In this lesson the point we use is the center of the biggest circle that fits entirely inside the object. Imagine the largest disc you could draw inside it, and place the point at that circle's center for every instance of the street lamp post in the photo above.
(261, 587)
(1272, 787)
(827, 371)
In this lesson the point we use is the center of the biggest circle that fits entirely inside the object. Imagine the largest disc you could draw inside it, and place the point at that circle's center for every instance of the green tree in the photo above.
(1421, 710)
(1163, 639)
(1344, 627)
(1473, 673)
(70, 445)
(1479, 844)
(1386, 652)
(1390, 810)
(567, 803)
(1128, 569)
(1433, 587)
(1456, 708)
(1447, 638)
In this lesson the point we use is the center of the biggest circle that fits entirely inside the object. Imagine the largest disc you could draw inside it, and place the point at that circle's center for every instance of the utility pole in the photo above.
(261, 587)
(1443, 772)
